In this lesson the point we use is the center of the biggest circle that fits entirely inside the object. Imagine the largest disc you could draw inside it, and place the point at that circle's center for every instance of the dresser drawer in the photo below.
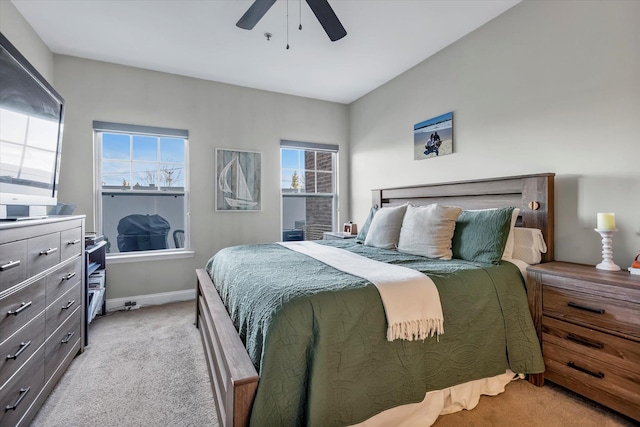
(65, 339)
(70, 243)
(17, 349)
(63, 279)
(61, 308)
(606, 313)
(608, 384)
(596, 345)
(21, 391)
(23, 304)
(13, 264)
(43, 253)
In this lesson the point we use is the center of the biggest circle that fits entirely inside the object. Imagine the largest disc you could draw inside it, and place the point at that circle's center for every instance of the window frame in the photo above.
(100, 128)
(334, 196)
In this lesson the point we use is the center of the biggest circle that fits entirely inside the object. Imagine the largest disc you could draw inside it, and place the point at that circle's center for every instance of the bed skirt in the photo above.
(441, 402)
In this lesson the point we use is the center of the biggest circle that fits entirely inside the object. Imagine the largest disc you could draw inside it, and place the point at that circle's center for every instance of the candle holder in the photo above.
(607, 251)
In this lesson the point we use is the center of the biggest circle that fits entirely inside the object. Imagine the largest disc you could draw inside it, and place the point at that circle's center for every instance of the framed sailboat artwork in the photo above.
(239, 180)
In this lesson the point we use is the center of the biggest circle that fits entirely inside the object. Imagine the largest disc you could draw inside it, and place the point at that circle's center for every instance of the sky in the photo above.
(143, 160)
(292, 161)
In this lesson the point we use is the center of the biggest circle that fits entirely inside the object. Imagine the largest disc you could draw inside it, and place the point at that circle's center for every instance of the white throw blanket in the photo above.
(411, 300)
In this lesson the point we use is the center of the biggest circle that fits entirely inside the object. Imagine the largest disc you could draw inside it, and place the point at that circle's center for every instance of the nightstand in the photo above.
(337, 235)
(588, 321)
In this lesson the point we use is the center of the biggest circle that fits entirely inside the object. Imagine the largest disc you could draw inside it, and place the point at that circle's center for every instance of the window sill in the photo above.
(123, 258)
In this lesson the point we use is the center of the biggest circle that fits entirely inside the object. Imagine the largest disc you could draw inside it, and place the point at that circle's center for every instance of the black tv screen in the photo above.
(31, 122)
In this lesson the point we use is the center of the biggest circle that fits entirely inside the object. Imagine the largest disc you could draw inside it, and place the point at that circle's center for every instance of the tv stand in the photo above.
(22, 212)
(24, 218)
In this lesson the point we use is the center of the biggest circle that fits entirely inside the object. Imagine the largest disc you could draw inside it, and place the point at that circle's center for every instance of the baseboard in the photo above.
(115, 304)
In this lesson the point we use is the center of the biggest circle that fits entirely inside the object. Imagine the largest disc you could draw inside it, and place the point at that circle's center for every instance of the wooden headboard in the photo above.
(533, 194)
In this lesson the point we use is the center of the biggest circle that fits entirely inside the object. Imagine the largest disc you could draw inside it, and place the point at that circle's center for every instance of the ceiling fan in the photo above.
(320, 8)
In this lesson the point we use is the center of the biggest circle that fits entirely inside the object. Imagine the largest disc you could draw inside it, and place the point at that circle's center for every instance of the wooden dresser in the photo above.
(41, 310)
(588, 321)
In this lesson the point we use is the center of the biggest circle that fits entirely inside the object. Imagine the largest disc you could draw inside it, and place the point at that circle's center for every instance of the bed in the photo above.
(311, 375)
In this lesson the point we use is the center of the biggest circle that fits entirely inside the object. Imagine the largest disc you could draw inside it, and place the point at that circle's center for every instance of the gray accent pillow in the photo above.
(427, 230)
(362, 233)
(384, 231)
(482, 235)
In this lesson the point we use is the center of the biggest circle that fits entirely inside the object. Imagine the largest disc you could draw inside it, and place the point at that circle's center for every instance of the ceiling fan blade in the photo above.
(328, 19)
(254, 14)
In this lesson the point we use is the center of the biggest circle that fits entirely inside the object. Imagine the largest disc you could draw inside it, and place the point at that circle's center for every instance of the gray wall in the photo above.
(216, 115)
(26, 40)
(545, 87)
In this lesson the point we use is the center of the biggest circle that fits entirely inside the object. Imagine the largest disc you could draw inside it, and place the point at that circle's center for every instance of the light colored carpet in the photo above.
(146, 367)
(525, 405)
(142, 367)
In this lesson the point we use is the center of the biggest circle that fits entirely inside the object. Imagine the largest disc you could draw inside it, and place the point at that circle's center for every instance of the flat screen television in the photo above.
(31, 124)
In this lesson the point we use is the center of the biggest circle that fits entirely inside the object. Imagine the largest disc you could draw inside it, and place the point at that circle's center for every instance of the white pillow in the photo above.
(427, 230)
(508, 248)
(528, 245)
(384, 230)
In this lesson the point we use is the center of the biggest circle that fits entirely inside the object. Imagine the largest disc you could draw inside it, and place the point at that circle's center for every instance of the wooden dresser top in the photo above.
(588, 273)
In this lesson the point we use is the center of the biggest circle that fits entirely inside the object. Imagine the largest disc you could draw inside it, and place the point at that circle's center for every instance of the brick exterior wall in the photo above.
(319, 209)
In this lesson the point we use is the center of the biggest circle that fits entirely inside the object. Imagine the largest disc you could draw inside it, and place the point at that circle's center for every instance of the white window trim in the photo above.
(335, 196)
(126, 257)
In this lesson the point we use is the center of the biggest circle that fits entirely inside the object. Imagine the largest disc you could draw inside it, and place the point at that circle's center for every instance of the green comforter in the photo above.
(317, 336)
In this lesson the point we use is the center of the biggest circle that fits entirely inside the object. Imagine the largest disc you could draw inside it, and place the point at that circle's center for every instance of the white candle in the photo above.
(606, 221)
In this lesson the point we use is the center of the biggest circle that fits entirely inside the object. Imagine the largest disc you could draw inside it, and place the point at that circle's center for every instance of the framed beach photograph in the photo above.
(238, 181)
(433, 137)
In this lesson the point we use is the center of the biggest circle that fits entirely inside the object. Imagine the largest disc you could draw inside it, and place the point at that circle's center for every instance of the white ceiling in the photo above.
(198, 38)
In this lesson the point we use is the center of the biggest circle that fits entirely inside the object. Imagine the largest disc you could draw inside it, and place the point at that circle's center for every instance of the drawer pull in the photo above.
(69, 304)
(581, 307)
(586, 371)
(74, 242)
(67, 338)
(584, 341)
(9, 265)
(23, 347)
(23, 393)
(69, 276)
(22, 307)
(48, 251)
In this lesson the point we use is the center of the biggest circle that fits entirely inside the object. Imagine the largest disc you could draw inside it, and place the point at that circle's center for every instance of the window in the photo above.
(142, 187)
(308, 184)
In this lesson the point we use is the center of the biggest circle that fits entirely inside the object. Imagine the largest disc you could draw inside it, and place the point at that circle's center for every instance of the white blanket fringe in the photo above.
(415, 330)
(411, 300)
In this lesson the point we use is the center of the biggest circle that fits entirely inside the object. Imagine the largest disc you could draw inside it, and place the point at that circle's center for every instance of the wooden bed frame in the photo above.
(234, 380)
